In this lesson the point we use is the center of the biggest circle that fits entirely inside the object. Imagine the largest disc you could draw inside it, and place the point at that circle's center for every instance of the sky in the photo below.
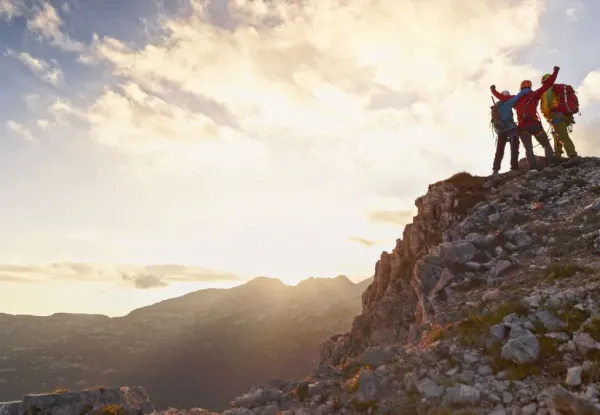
(151, 148)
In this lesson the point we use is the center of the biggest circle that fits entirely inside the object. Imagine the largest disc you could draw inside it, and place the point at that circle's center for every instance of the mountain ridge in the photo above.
(254, 331)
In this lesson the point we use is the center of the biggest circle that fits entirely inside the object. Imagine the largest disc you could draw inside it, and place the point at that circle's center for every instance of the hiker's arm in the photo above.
(498, 95)
(548, 83)
(513, 100)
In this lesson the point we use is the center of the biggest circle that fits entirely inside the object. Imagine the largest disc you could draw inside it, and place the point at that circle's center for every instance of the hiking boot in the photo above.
(494, 172)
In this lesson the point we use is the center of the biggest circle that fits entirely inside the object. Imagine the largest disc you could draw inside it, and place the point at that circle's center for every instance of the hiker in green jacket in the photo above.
(559, 104)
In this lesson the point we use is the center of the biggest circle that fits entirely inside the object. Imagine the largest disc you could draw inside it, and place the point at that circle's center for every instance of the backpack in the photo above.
(495, 119)
(568, 103)
(528, 103)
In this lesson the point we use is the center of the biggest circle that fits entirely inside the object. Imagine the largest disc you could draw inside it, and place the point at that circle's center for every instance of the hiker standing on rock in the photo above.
(506, 130)
(558, 104)
(527, 118)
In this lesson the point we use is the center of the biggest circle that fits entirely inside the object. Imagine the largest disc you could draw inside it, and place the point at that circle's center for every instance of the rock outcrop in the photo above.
(488, 302)
(93, 401)
(399, 300)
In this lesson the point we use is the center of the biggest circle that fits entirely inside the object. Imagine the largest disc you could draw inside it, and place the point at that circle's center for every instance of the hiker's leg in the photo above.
(500, 146)
(558, 149)
(542, 138)
(513, 138)
(562, 133)
(526, 140)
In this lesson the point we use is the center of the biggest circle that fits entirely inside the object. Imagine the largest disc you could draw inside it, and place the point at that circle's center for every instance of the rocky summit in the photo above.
(488, 304)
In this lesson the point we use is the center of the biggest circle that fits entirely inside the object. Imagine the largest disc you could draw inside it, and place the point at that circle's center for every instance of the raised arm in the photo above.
(548, 83)
(498, 95)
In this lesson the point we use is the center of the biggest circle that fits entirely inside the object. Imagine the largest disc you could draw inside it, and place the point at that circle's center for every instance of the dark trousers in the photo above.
(536, 130)
(510, 136)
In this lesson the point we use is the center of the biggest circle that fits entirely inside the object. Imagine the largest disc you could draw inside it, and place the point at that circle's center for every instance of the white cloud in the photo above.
(10, 9)
(589, 90)
(47, 22)
(44, 124)
(43, 69)
(574, 10)
(19, 129)
(43, 19)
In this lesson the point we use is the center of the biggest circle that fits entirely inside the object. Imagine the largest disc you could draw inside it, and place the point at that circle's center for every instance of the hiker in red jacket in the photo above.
(527, 118)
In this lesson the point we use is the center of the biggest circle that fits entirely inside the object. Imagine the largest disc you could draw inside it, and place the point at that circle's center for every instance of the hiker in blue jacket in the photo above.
(506, 129)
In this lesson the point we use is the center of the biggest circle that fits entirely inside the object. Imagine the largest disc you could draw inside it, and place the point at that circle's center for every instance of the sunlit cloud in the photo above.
(363, 241)
(41, 68)
(19, 129)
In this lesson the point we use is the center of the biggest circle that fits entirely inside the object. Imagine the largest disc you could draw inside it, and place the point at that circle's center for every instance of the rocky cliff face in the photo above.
(397, 302)
(488, 304)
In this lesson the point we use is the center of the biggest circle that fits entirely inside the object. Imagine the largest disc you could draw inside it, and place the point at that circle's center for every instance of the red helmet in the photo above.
(525, 84)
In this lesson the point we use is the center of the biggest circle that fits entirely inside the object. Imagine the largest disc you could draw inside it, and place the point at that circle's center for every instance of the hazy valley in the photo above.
(204, 347)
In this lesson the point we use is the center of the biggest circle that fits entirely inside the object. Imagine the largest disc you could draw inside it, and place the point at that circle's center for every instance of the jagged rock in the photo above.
(480, 241)
(430, 389)
(550, 321)
(411, 381)
(10, 408)
(461, 395)
(367, 389)
(522, 349)
(376, 356)
(258, 396)
(574, 376)
(500, 267)
(458, 252)
(585, 342)
(519, 237)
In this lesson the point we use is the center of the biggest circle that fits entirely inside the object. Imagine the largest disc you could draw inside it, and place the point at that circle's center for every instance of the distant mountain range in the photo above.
(200, 349)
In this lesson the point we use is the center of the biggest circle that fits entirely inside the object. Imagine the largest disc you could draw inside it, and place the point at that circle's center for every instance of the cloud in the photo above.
(362, 101)
(399, 217)
(192, 274)
(157, 276)
(146, 281)
(141, 276)
(589, 90)
(42, 19)
(585, 136)
(20, 129)
(10, 9)
(574, 10)
(363, 241)
(46, 21)
(43, 69)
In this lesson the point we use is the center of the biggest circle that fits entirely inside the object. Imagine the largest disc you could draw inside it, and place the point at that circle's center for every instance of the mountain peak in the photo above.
(267, 282)
(340, 280)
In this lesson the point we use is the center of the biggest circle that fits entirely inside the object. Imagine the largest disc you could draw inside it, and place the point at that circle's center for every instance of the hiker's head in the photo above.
(506, 93)
(545, 77)
(525, 84)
